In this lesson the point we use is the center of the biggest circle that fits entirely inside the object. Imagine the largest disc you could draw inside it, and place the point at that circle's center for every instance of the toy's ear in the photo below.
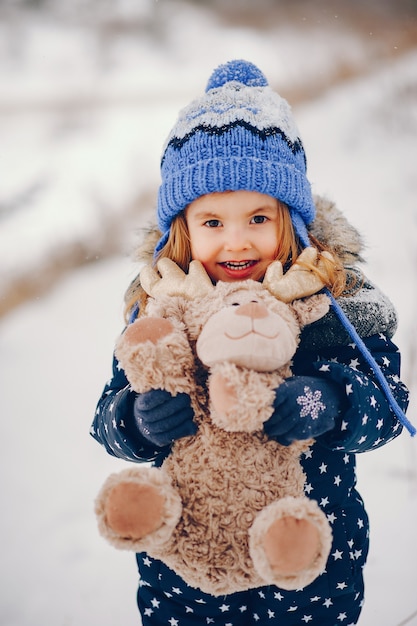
(311, 309)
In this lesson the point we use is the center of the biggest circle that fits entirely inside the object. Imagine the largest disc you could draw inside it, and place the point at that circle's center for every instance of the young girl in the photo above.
(234, 195)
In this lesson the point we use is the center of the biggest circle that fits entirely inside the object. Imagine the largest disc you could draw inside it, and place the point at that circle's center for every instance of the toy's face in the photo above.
(248, 333)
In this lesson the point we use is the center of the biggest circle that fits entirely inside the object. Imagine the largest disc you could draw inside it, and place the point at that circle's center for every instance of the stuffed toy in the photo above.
(226, 510)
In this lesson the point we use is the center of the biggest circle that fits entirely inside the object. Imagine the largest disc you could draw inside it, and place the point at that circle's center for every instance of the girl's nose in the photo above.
(236, 239)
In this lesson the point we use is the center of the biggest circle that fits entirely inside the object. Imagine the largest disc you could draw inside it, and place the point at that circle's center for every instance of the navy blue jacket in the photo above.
(367, 422)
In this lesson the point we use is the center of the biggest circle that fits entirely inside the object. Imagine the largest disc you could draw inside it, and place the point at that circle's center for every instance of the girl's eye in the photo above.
(259, 219)
(212, 223)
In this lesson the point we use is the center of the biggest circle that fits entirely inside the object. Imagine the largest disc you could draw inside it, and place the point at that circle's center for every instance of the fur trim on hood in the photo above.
(333, 230)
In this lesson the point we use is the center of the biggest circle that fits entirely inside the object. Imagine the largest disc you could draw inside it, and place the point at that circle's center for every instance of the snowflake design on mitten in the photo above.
(311, 403)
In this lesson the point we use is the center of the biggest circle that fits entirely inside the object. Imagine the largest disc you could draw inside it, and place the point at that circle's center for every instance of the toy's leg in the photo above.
(290, 542)
(137, 508)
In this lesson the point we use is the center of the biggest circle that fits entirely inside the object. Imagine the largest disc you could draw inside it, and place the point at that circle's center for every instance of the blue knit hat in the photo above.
(240, 135)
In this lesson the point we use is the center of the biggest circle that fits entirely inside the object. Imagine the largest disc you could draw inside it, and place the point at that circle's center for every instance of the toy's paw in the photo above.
(133, 510)
(137, 509)
(147, 329)
(291, 545)
(155, 354)
(290, 542)
(222, 395)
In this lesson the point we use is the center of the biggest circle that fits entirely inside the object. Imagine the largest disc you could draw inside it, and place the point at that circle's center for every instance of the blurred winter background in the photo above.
(88, 92)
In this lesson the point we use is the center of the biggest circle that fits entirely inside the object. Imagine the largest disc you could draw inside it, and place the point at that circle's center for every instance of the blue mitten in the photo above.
(304, 407)
(163, 418)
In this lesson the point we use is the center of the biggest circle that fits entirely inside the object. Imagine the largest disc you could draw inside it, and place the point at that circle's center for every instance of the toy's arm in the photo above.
(241, 400)
(155, 354)
(114, 425)
(367, 420)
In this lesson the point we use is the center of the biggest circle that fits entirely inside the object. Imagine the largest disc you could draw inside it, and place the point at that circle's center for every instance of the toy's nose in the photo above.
(254, 310)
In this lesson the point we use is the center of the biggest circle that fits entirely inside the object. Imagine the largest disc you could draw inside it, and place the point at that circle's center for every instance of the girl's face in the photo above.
(233, 233)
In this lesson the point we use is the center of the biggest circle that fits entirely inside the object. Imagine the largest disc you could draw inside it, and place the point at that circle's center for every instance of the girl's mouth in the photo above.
(239, 270)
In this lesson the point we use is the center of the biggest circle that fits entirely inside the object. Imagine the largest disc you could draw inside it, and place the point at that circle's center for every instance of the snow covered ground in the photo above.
(55, 352)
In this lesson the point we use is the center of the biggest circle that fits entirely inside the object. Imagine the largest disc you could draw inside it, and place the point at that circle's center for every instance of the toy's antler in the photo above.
(299, 281)
(174, 282)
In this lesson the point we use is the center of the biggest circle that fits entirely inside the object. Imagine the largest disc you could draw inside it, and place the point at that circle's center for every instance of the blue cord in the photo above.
(373, 365)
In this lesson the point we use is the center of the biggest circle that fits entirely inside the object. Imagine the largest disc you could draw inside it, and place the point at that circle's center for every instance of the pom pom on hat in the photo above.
(241, 71)
(239, 135)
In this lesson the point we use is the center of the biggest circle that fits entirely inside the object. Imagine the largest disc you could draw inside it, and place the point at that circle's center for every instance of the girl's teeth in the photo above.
(238, 266)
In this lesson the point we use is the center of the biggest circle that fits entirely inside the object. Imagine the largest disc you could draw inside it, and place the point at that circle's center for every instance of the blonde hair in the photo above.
(178, 249)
